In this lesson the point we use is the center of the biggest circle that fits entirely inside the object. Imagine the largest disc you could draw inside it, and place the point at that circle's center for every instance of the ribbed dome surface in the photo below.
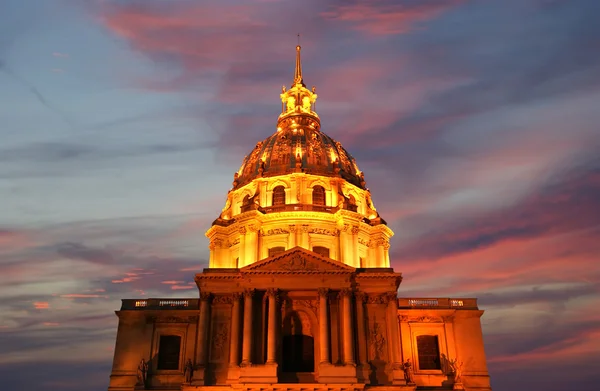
(301, 147)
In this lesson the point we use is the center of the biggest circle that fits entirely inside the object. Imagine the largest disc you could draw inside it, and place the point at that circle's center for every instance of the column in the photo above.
(201, 343)
(360, 327)
(345, 250)
(234, 343)
(348, 329)
(251, 244)
(324, 325)
(304, 242)
(393, 326)
(292, 237)
(380, 253)
(247, 345)
(242, 247)
(354, 245)
(272, 331)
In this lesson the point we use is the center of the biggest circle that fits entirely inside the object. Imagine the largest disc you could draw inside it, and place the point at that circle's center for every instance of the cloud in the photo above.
(41, 305)
(388, 17)
(62, 55)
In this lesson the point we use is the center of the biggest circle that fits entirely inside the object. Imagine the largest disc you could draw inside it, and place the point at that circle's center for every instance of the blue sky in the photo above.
(475, 122)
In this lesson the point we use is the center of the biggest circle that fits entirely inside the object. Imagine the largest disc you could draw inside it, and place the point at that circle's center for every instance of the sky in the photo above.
(475, 123)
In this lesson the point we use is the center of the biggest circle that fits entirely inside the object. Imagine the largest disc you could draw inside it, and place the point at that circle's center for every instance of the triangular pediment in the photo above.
(300, 260)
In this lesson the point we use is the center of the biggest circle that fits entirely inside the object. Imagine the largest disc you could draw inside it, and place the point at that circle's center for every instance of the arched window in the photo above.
(429, 352)
(318, 195)
(352, 203)
(279, 195)
(324, 251)
(275, 251)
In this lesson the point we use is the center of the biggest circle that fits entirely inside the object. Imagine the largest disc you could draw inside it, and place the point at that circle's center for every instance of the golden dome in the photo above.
(298, 145)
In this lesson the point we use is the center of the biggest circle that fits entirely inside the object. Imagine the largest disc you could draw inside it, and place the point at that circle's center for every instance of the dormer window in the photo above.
(279, 196)
(318, 195)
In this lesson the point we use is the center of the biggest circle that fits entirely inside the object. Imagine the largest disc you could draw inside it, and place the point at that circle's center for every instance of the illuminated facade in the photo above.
(299, 293)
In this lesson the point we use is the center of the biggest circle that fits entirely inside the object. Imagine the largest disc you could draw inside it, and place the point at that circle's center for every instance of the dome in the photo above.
(298, 145)
(301, 147)
(299, 188)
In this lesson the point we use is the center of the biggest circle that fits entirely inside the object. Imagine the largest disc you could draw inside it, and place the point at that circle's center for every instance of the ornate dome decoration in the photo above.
(298, 145)
(299, 187)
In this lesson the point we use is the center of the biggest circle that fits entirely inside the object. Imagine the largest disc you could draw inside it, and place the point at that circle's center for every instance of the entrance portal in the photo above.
(298, 353)
(298, 347)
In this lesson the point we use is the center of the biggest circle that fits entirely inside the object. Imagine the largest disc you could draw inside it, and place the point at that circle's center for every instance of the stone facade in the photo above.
(299, 293)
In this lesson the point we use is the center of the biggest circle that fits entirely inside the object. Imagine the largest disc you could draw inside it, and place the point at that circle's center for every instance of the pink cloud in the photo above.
(82, 296)
(172, 282)
(51, 324)
(375, 18)
(41, 305)
(183, 287)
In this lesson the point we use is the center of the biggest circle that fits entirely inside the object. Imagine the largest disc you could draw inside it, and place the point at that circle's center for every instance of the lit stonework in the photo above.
(299, 293)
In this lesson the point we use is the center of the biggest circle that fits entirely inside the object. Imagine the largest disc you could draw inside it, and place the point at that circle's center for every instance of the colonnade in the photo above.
(245, 326)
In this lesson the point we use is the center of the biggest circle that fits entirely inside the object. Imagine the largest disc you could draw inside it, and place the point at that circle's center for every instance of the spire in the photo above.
(298, 99)
(298, 70)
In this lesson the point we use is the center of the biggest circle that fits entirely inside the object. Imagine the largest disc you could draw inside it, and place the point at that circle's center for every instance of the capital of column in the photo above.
(392, 297)
(305, 228)
(292, 228)
(345, 293)
(236, 296)
(249, 292)
(205, 296)
(252, 228)
(242, 230)
(361, 297)
(323, 292)
(355, 230)
(273, 294)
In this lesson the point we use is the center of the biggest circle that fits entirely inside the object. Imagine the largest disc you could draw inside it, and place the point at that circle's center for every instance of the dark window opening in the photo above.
(324, 251)
(276, 251)
(298, 353)
(279, 195)
(429, 352)
(318, 195)
(168, 352)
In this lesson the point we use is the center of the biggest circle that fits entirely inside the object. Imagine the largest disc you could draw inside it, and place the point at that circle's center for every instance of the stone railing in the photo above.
(456, 303)
(159, 304)
(299, 207)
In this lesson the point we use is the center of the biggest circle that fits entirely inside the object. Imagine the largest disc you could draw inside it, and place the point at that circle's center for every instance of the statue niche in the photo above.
(298, 350)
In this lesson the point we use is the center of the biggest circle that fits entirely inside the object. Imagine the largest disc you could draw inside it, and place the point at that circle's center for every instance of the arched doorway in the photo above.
(298, 353)
(298, 347)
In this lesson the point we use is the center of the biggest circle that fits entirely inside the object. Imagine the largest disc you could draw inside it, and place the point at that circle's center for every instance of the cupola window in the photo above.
(318, 195)
(279, 196)
(273, 251)
(324, 251)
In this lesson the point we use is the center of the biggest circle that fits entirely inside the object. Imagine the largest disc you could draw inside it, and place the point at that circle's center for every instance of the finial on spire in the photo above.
(298, 70)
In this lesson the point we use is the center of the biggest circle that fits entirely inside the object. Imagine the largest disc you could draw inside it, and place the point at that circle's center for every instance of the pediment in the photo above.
(299, 260)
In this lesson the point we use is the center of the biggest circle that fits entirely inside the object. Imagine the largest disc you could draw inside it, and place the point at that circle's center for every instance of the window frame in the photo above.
(433, 329)
(278, 195)
(322, 193)
(322, 247)
(174, 329)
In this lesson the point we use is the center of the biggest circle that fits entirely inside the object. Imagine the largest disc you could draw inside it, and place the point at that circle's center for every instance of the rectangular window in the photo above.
(324, 251)
(276, 251)
(168, 352)
(429, 352)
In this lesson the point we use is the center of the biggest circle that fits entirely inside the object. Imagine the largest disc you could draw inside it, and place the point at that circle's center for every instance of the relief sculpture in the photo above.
(376, 342)
(219, 342)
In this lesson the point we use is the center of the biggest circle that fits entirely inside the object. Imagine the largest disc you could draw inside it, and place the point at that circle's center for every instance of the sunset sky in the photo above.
(476, 123)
